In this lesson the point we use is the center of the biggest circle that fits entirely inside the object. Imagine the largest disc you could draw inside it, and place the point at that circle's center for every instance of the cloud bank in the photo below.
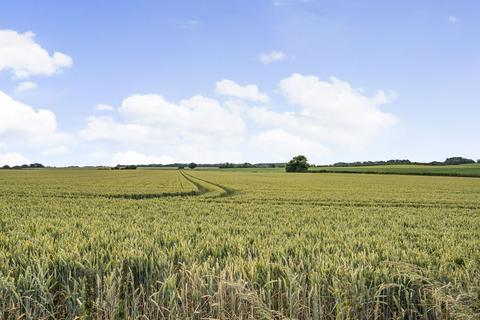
(308, 116)
(20, 54)
(12, 159)
(23, 127)
(233, 89)
(316, 118)
(18, 120)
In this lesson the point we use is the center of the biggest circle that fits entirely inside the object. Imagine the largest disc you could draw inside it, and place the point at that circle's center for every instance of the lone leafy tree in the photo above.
(192, 165)
(297, 164)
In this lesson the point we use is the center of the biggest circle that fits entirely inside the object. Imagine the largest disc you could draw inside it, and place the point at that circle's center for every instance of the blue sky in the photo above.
(257, 81)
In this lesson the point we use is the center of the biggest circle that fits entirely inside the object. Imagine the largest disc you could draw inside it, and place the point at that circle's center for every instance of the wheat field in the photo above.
(207, 244)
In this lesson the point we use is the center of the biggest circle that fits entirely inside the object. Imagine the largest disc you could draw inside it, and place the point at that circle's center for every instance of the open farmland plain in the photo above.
(149, 244)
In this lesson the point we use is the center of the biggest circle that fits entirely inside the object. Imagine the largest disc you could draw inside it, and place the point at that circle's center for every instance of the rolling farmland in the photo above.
(209, 244)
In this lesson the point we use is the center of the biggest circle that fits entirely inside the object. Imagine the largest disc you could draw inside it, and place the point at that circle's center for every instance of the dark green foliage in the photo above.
(370, 163)
(458, 160)
(297, 164)
(25, 166)
(464, 170)
(192, 165)
(120, 167)
(36, 165)
(448, 161)
(227, 165)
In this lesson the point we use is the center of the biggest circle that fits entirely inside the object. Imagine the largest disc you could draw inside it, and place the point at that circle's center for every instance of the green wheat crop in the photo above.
(174, 244)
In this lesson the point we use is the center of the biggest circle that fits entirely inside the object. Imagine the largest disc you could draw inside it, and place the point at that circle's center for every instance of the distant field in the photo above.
(214, 244)
(465, 170)
(92, 183)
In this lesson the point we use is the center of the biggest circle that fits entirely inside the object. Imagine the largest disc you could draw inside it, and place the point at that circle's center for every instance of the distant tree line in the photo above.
(448, 161)
(458, 160)
(190, 165)
(226, 165)
(251, 165)
(121, 167)
(25, 166)
(221, 165)
(370, 163)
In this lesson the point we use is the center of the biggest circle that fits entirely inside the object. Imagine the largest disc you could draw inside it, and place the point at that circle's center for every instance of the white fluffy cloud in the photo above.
(281, 144)
(319, 117)
(336, 106)
(25, 86)
(233, 89)
(12, 159)
(104, 107)
(22, 127)
(133, 157)
(330, 111)
(25, 130)
(19, 121)
(267, 58)
(106, 128)
(197, 116)
(56, 151)
(197, 127)
(21, 54)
